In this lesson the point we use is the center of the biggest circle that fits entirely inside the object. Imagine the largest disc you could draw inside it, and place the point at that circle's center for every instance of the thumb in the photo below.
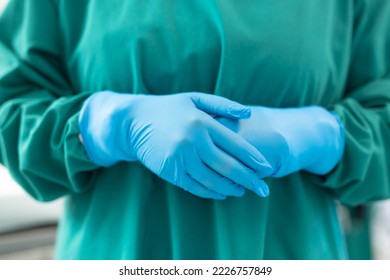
(220, 106)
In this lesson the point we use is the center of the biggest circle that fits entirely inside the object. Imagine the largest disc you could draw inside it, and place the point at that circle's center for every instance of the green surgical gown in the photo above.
(55, 53)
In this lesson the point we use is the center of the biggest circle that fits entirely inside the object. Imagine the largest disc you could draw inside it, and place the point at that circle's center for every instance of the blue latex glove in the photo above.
(175, 137)
(307, 138)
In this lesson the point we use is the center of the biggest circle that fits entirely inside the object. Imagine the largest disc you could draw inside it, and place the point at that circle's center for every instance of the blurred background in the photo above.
(28, 227)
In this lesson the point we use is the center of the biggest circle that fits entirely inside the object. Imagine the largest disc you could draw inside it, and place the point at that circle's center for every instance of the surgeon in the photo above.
(197, 129)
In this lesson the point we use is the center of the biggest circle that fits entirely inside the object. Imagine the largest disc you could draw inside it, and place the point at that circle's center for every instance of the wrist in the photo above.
(102, 127)
(327, 141)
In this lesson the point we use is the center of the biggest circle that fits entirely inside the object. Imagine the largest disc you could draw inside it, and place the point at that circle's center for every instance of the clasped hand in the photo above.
(307, 138)
(178, 138)
(208, 145)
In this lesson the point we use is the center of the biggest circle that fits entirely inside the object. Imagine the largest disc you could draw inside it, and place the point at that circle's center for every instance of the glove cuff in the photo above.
(103, 130)
(327, 142)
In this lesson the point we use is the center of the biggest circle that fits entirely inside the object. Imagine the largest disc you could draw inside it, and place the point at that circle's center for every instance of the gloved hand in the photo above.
(176, 137)
(307, 138)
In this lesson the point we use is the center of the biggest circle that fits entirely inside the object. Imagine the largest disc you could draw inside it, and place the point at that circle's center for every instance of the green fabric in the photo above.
(272, 53)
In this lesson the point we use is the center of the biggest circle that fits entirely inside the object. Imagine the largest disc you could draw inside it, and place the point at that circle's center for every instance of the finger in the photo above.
(237, 147)
(220, 106)
(212, 180)
(232, 169)
(192, 186)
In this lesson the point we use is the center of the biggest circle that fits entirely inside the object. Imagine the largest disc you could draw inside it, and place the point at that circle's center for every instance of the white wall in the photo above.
(2, 4)
(18, 210)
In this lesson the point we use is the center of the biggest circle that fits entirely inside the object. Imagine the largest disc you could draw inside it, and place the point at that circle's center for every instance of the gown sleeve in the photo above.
(39, 142)
(363, 175)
